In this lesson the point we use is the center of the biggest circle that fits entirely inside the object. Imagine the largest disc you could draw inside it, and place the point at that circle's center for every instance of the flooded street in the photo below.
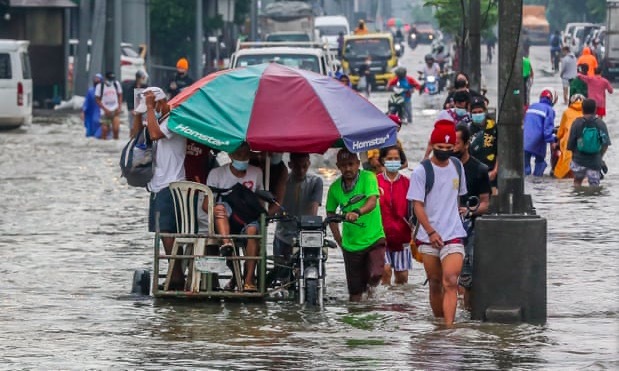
(72, 232)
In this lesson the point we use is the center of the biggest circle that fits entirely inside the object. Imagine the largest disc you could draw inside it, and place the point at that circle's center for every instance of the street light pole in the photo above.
(253, 16)
(199, 45)
(509, 270)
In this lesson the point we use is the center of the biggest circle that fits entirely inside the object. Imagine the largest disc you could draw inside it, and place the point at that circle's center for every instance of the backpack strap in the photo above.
(427, 166)
(458, 164)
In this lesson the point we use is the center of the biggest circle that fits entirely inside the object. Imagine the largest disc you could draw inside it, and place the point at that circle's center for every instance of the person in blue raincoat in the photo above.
(538, 131)
(90, 110)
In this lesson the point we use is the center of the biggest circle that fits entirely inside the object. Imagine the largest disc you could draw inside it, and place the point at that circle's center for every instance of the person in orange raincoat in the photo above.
(361, 28)
(588, 59)
(574, 111)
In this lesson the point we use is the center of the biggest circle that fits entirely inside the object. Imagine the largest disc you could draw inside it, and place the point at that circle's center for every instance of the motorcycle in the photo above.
(395, 105)
(306, 264)
(412, 40)
(430, 91)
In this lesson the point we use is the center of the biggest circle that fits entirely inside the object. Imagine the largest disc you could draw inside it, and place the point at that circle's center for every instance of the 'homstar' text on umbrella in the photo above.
(201, 137)
(359, 145)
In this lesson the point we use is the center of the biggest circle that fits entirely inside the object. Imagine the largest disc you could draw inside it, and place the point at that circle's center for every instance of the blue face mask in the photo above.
(157, 115)
(460, 111)
(478, 118)
(240, 165)
(392, 165)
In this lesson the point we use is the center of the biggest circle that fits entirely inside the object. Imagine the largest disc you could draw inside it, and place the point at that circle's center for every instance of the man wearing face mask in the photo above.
(461, 83)
(441, 233)
(477, 185)
(169, 157)
(225, 177)
(484, 139)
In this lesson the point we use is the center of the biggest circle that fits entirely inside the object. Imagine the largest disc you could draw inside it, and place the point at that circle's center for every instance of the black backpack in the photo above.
(137, 159)
(245, 204)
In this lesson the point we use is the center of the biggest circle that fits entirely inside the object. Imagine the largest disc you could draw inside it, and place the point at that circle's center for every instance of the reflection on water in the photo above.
(72, 234)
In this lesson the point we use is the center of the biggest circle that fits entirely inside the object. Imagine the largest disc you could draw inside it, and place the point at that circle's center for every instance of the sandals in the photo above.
(250, 287)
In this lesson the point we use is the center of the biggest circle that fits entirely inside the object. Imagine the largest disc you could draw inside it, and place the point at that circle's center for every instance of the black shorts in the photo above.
(364, 267)
(163, 203)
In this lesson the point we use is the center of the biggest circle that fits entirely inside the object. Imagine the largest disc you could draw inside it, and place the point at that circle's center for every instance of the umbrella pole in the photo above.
(267, 172)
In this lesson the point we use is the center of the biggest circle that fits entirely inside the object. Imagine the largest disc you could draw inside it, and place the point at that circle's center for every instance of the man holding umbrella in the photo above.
(362, 239)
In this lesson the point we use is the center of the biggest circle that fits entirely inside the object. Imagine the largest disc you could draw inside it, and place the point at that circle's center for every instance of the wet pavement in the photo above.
(73, 232)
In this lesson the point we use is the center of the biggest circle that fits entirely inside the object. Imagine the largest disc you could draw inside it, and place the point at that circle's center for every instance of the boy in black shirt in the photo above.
(478, 185)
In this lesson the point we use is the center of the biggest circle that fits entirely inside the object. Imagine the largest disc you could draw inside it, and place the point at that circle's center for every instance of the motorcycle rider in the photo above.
(430, 68)
(303, 196)
(555, 50)
(408, 84)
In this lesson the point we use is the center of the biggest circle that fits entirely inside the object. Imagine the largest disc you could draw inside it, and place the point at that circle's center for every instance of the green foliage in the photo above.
(172, 29)
(423, 14)
(560, 12)
(450, 15)
(172, 25)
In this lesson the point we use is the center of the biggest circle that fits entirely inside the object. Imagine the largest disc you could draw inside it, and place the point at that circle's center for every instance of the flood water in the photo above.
(72, 233)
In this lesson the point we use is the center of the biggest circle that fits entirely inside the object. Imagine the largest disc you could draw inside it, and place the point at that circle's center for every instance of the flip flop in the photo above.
(250, 287)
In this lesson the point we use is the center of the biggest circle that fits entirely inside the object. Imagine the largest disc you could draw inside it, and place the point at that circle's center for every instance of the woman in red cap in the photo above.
(435, 187)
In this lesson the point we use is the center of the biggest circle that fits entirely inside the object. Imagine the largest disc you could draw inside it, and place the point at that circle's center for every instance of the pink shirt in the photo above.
(596, 88)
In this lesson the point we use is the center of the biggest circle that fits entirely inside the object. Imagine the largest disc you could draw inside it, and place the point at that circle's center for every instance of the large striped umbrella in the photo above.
(277, 108)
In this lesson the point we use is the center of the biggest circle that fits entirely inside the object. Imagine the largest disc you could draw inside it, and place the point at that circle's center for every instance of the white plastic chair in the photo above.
(185, 194)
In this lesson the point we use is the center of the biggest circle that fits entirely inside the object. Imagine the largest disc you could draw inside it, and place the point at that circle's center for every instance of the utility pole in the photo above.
(253, 14)
(99, 16)
(474, 47)
(199, 42)
(81, 79)
(509, 270)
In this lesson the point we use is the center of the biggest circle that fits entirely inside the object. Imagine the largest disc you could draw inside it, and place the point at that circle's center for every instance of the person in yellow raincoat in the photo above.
(562, 169)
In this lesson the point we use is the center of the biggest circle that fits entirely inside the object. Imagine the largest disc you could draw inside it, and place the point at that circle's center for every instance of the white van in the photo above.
(15, 84)
(330, 26)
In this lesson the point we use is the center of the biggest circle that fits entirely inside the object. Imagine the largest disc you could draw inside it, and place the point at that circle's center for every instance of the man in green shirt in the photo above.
(362, 239)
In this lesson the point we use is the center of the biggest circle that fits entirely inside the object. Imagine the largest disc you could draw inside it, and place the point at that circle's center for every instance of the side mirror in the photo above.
(266, 196)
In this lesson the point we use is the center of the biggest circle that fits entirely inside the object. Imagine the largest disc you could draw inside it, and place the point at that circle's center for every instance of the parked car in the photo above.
(568, 33)
(130, 60)
(306, 56)
(15, 84)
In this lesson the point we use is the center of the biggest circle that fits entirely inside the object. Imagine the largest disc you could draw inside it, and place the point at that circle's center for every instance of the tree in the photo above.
(450, 15)
(173, 27)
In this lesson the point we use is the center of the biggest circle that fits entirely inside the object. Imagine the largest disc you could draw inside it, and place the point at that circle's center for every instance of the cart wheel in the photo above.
(141, 282)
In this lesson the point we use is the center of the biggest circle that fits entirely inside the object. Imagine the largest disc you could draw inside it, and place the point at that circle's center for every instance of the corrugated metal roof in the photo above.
(42, 3)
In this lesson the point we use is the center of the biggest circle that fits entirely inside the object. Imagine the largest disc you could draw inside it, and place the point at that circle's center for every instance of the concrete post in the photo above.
(98, 38)
(199, 44)
(474, 45)
(253, 14)
(117, 39)
(509, 268)
(81, 80)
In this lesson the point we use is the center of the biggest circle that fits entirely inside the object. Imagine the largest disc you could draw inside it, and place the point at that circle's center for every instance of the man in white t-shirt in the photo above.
(169, 160)
(441, 233)
(225, 177)
(109, 96)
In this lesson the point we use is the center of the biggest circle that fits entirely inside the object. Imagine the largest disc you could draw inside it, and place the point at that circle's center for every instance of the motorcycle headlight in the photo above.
(311, 239)
(413, 36)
